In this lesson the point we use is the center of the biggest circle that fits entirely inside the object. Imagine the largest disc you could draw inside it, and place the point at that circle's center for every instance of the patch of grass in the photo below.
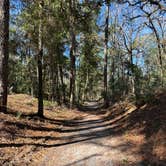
(34, 100)
(49, 104)
(30, 103)
(18, 115)
(125, 162)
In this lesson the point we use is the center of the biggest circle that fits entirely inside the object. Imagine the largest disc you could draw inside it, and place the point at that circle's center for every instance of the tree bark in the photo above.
(72, 53)
(159, 48)
(4, 52)
(106, 102)
(40, 57)
(72, 70)
(62, 83)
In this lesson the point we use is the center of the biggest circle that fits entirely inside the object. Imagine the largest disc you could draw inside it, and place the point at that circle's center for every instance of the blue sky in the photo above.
(100, 20)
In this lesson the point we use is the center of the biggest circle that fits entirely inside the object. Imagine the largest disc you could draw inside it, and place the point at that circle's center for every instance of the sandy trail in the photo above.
(89, 143)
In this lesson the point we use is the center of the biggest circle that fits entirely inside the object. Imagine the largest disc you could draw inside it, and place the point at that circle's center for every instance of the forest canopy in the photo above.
(71, 51)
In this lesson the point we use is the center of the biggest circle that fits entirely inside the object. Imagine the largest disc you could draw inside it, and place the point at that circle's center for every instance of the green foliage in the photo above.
(18, 75)
(18, 115)
(133, 63)
(48, 103)
(148, 97)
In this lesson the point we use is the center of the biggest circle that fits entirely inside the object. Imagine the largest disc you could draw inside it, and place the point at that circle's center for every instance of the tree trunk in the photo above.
(106, 102)
(4, 52)
(86, 86)
(40, 57)
(62, 83)
(30, 71)
(113, 78)
(52, 71)
(132, 72)
(72, 70)
(72, 53)
(159, 49)
(58, 97)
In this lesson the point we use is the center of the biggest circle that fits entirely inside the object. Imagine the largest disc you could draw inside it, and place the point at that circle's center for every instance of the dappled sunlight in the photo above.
(122, 130)
(82, 83)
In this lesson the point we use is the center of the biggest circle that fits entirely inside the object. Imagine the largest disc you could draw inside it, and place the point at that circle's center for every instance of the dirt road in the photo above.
(90, 141)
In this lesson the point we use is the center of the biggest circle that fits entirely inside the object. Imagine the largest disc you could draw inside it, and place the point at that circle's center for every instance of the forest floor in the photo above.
(122, 135)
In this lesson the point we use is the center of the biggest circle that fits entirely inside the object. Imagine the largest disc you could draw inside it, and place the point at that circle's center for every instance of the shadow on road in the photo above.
(76, 131)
